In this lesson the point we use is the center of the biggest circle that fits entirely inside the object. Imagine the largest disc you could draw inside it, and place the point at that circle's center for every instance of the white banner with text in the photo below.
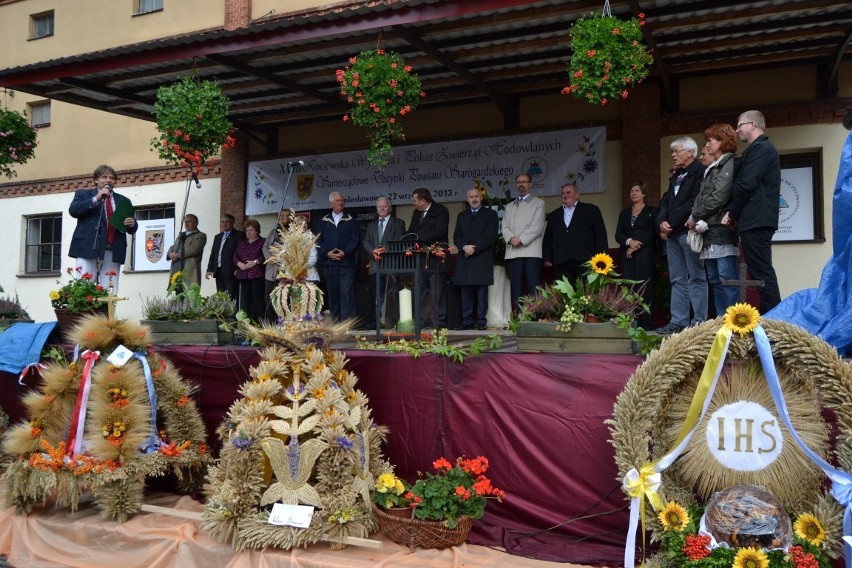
(447, 169)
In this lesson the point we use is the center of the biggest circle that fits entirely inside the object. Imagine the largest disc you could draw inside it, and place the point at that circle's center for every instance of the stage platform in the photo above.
(538, 418)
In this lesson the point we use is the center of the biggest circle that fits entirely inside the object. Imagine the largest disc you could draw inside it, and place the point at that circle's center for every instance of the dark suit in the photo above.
(433, 227)
(755, 207)
(87, 241)
(569, 247)
(475, 273)
(224, 272)
(394, 231)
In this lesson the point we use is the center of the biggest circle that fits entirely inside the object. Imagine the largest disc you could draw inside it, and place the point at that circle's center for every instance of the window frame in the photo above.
(138, 9)
(32, 111)
(36, 20)
(33, 266)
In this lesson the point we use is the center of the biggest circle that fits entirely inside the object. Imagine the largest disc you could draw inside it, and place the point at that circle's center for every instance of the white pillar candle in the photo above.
(405, 310)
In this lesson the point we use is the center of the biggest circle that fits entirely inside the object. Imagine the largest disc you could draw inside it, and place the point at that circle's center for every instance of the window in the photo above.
(149, 213)
(146, 6)
(41, 25)
(40, 114)
(44, 243)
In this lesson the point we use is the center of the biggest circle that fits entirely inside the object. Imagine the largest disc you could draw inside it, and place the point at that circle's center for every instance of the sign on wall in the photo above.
(447, 169)
(800, 207)
(153, 239)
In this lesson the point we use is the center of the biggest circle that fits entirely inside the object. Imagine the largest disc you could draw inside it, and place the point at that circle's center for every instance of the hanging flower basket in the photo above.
(382, 89)
(608, 58)
(17, 141)
(192, 119)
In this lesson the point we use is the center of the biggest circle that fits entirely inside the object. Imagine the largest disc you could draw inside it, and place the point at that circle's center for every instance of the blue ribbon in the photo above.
(152, 444)
(841, 482)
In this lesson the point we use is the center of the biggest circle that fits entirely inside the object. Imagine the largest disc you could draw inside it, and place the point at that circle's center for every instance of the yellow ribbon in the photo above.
(645, 482)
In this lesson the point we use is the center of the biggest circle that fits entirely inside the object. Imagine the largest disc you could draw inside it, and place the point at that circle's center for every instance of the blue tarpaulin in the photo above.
(21, 345)
(827, 311)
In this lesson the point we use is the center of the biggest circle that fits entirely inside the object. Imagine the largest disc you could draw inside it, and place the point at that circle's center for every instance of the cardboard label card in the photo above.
(298, 516)
(120, 356)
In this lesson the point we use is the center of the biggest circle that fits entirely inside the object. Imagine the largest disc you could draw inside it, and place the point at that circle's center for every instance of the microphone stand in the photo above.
(289, 168)
(96, 244)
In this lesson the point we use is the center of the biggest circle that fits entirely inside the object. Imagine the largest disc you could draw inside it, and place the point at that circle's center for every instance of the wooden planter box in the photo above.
(605, 337)
(194, 332)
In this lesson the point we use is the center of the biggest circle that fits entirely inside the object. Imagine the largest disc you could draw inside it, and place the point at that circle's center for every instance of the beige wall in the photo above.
(83, 26)
(79, 138)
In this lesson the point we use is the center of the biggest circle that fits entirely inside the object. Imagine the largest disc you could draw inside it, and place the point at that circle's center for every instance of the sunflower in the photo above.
(809, 528)
(175, 277)
(673, 517)
(601, 263)
(741, 318)
(751, 558)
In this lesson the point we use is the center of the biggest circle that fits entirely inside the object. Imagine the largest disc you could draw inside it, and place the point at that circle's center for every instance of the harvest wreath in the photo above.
(656, 401)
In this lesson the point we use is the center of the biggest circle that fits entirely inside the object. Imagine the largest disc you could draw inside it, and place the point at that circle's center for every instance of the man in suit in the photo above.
(686, 270)
(338, 242)
(431, 223)
(756, 204)
(384, 229)
(221, 264)
(474, 236)
(186, 253)
(523, 231)
(574, 233)
(98, 245)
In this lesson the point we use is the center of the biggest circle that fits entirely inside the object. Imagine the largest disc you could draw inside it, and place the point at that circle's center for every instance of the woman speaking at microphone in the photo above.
(103, 220)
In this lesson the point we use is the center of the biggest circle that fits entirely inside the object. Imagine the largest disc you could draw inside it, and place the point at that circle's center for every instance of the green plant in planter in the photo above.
(11, 309)
(382, 89)
(192, 119)
(17, 141)
(608, 57)
(184, 302)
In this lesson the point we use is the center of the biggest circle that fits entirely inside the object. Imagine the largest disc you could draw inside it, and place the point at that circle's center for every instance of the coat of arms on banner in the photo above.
(305, 186)
(154, 245)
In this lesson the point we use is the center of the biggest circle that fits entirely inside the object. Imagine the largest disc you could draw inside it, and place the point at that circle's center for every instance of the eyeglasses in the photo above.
(678, 150)
(744, 123)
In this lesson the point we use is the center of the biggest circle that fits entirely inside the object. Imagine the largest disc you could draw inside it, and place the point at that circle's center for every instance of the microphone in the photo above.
(291, 167)
(195, 179)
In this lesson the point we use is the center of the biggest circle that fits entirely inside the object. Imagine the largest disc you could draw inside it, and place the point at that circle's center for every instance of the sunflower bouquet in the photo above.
(683, 545)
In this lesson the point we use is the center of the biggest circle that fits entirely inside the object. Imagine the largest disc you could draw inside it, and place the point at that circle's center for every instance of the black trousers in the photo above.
(757, 250)
(524, 276)
(433, 299)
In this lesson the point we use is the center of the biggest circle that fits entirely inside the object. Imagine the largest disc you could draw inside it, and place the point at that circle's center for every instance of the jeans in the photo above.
(719, 269)
(340, 285)
(689, 282)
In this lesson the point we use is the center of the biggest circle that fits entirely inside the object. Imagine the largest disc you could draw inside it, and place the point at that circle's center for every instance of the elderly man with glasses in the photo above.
(686, 269)
(756, 204)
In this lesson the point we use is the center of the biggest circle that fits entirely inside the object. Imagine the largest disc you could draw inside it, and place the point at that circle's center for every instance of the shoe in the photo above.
(480, 326)
(669, 329)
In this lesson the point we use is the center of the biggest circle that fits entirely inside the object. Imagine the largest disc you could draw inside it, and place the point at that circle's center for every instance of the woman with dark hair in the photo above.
(720, 248)
(636, 233)
(249, 274)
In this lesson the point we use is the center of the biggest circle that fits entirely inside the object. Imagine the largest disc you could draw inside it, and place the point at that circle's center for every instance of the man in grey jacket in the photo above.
(523, 231)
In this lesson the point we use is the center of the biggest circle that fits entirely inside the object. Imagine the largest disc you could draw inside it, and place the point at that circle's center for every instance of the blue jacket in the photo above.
(346, 236)
(88, 214)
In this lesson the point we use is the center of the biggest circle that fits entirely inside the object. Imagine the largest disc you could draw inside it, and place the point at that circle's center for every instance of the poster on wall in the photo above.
(800, 206)
(447, 169)
(153, 238)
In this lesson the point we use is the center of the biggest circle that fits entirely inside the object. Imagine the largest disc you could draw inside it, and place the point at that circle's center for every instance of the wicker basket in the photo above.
(68, 319)
(426, 534)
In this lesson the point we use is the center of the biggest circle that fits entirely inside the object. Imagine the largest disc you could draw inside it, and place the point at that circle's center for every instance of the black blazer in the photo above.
(88, 214)
(645, 229)
(434, 227)
(676, 209)
(579, 242)
(757, 187)
(228, 266)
